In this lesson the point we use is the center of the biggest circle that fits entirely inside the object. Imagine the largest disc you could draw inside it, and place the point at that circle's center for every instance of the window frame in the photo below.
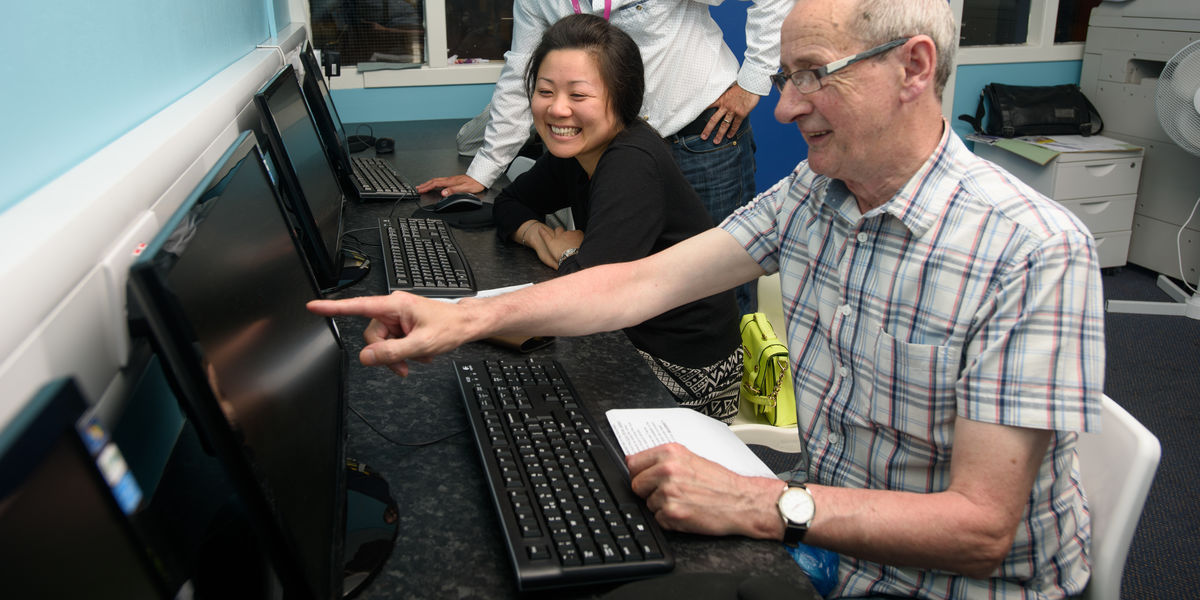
(1039, 47)
(438, 71)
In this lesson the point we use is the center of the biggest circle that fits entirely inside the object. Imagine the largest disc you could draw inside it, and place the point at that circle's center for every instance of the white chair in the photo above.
(1116, 467)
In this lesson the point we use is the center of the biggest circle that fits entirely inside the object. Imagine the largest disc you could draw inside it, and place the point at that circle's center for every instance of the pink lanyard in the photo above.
(607, 7)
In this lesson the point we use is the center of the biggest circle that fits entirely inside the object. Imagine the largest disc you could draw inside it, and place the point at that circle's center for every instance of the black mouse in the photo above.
(457, 203)
(385, 145)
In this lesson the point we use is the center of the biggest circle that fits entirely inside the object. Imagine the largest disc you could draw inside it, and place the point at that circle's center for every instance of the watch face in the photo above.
(797, 506)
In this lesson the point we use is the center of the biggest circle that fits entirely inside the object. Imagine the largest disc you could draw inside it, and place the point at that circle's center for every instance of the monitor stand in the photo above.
(355, 266)
(372, 521)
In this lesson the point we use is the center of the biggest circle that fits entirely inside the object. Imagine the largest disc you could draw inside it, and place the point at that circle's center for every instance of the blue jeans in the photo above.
(723, 175)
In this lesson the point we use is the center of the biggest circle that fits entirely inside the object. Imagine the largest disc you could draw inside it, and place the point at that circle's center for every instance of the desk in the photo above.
(449, 542)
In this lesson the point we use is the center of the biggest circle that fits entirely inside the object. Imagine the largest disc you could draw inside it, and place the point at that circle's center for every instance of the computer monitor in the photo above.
(324, 112)
(65, 494)
(221, 294)
(307, 180)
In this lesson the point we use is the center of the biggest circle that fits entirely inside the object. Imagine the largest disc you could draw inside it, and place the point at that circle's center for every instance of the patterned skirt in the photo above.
(711, 390)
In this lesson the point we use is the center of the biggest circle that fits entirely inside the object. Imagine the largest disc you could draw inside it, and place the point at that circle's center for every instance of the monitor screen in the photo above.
(307, 180)
(222, 292)
(320, 102)
(64, 527)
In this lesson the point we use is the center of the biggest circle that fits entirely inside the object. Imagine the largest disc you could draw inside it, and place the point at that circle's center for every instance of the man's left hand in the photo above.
(733, 107)
(695, 495)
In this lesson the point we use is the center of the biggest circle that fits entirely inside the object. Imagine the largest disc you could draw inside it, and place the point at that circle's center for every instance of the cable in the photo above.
(403, 444)
(1179, 247)
(282, 55)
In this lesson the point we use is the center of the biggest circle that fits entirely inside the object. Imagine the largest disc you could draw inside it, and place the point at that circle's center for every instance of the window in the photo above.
(1072, 22)
(413, 42)
(994, 22)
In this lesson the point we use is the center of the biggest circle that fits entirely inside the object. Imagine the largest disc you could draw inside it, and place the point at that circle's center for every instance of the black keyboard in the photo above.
(420, 256)
(375, 179)
(567, 512)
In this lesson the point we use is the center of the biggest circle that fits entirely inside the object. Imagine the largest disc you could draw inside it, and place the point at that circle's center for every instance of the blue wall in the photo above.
(78, 74)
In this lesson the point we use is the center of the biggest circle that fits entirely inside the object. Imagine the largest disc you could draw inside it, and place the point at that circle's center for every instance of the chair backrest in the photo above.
(1116, 467)
(770, 301)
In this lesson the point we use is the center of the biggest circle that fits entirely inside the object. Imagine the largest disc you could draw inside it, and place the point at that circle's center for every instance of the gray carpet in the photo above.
(1154, 373)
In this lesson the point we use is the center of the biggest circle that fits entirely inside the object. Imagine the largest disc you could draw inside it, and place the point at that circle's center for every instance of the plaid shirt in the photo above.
(967, 294)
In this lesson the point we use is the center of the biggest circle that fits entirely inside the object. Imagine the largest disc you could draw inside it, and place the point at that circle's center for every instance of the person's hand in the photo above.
(531, 237)
(402, 327)
(733, 107)
(451, 185)
(556, 241)
(695, 495)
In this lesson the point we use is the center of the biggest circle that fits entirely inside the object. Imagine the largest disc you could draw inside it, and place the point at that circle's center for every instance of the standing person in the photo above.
(945, 323)
(628, 199)
(697, 96)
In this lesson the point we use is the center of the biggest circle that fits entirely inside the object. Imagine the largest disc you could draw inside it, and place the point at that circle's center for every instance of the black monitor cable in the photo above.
(399, 443)
(359, 142)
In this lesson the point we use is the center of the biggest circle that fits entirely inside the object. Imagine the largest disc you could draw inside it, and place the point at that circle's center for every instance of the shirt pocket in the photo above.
(635, 16)
(913, 387)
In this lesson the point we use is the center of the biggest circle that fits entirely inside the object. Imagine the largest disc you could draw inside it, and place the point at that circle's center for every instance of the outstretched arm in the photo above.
(602, 298)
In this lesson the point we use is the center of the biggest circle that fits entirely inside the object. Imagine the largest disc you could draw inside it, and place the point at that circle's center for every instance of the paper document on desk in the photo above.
(639, 429)
(489, 293)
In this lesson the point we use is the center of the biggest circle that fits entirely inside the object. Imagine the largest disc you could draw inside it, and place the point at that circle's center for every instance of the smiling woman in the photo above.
(626, 195)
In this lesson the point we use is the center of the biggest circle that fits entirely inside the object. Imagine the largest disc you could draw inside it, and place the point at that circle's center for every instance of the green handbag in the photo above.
(766, 374)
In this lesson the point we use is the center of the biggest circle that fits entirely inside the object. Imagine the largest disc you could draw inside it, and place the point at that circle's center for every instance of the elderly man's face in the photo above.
(845, 123)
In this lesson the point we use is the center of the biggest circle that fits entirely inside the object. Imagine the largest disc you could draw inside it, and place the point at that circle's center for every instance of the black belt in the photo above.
(696, 127)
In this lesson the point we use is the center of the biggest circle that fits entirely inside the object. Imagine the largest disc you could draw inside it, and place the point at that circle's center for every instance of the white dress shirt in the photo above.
(688, 65)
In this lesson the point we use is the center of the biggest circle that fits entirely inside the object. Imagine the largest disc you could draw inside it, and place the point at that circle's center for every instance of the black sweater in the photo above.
(636, 203)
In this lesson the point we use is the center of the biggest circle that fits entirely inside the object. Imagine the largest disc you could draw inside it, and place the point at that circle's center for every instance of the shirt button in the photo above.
(835, 439)
(844, 371)
(862, 237)
(844, 310)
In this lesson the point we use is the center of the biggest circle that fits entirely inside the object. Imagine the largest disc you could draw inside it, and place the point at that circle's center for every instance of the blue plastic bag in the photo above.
(819, 564)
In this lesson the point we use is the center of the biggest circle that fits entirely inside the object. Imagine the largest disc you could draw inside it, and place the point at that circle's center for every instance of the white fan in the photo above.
(1177, 102)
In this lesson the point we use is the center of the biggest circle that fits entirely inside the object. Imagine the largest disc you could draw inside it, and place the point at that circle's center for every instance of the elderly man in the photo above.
(945, 324)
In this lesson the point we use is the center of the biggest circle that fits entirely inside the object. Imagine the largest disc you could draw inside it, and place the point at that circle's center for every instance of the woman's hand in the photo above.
(557, 241)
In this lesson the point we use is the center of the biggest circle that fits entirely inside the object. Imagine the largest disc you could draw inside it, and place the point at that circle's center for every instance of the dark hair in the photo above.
(617, 58)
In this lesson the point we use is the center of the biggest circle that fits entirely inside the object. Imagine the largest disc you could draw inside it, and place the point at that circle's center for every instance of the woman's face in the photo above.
(571, 108)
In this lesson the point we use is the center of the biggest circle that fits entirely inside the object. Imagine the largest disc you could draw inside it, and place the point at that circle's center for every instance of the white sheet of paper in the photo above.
(639, 429)
(489, 293)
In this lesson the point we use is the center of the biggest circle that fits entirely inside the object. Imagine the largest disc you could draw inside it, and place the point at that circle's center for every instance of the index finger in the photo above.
(368, 306)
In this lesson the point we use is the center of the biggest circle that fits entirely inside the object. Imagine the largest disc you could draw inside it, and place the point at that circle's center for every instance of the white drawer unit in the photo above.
(1099, 187)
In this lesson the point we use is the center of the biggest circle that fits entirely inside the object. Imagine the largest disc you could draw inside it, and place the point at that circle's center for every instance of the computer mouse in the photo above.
(456, 203)
(385, 145)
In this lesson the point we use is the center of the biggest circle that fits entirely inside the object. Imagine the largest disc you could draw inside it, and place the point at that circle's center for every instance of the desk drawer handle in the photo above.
(1100, 170)
(1095, 207)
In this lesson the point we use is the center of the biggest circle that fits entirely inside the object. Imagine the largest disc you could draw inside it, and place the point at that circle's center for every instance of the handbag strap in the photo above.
(1095, 124)
(978, 118)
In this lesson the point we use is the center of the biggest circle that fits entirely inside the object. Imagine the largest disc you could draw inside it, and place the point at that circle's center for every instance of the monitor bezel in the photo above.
(155, 312)
(55, 413)
(326, 262)
(320, 100)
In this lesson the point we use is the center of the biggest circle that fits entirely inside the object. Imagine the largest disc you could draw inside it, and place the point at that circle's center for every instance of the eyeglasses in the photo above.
(809, 80)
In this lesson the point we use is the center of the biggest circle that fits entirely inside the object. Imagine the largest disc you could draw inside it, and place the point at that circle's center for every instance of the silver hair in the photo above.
(880, 21)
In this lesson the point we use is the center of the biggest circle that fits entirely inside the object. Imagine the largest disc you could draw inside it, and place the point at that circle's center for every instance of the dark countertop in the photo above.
(449, 545)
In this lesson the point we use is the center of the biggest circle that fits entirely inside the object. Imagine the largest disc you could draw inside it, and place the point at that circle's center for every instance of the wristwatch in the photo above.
(797, 508)
(568, 253)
